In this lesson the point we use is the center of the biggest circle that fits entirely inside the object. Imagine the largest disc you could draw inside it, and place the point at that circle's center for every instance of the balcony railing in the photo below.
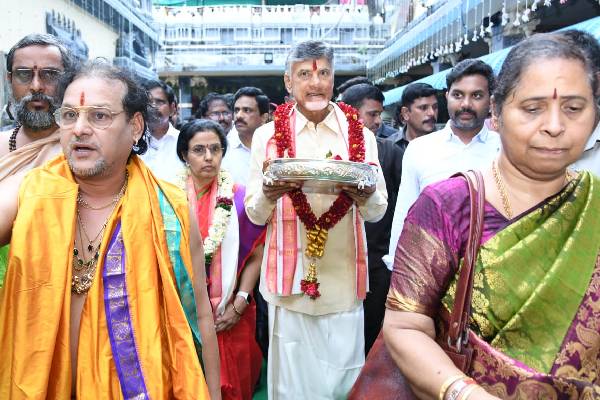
(258, 59)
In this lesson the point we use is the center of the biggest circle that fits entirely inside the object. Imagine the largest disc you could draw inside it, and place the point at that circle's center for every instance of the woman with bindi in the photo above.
(533, 325)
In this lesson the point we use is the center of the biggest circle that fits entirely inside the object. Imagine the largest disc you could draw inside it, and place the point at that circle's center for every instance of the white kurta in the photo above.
(316, 347)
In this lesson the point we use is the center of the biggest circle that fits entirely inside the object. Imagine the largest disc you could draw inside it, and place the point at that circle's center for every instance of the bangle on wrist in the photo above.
(468, 391)
(235, 310)
(447, 383)
(456, 388)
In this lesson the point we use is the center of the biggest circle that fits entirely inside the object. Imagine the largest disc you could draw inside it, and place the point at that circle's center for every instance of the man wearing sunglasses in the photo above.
(34, 64)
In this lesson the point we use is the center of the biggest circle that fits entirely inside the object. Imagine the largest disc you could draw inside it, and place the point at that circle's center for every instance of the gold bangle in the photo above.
(456, 389)
(235, 309)
(468, 390)
(447, 383)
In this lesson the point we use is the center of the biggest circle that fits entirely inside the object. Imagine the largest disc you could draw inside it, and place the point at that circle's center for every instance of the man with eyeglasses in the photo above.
(251, 110)
(161, 156)
(34, 65)
(105, 294)
(215, 107)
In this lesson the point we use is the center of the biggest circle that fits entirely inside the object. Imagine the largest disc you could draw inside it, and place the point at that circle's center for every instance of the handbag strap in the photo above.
(458, 328)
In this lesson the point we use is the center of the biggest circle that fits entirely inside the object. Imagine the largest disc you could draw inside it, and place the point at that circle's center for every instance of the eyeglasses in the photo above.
(217, 114)
(200, 149)
(98, 117)
(47, 75)
(158, 102)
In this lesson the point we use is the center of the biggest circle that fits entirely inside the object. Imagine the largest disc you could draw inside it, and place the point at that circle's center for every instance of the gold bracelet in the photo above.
(447, 383)
(456, 389)
(468, 390)
(235, 309)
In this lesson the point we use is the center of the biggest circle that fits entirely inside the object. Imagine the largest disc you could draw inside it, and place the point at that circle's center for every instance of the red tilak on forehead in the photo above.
(314, 65)
(555, 94)
(82, 99)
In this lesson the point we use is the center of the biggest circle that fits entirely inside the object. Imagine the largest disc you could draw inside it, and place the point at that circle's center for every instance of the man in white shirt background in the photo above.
(590, 159)
(214, 106)
(161, 156)
(250, 111)
(464, 143)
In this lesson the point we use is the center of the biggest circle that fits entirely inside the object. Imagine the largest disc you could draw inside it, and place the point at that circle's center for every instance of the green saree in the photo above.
(536, 298)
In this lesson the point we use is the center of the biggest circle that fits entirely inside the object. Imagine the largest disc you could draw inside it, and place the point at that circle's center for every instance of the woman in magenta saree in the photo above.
(535, 324)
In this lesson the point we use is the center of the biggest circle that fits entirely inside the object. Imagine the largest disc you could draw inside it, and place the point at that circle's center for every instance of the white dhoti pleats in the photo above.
(314, 357)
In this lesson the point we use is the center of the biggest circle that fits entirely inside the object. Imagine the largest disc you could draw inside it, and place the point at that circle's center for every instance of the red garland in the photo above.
(341, 205)
(356, 152)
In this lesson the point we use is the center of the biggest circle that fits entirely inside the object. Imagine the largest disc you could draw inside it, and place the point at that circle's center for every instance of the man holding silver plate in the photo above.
(314, 179)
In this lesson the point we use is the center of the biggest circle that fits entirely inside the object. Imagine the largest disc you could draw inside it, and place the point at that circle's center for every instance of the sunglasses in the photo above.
(98, 117)
(47, 75)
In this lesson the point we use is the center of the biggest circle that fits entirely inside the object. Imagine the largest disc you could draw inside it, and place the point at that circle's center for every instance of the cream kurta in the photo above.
(337, 268)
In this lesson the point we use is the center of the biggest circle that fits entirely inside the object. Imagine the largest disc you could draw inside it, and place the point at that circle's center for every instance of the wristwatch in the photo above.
(245, 295)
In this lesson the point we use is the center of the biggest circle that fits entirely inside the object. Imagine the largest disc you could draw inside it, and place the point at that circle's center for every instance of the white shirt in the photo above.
(237, 158)
(590, 159)
(432, 158)
(161, 156)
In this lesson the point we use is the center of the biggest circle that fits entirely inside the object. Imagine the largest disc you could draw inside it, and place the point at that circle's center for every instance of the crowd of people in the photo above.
(147, 257)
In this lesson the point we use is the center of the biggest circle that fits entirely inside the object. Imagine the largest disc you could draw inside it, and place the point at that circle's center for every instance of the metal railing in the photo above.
(253, 58)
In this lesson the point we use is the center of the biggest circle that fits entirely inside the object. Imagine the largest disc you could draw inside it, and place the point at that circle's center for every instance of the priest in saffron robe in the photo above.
(233, 248)
(314, 269)
(103, 297)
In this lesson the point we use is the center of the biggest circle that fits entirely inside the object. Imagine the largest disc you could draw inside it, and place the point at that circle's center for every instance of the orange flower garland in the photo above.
(317, 228)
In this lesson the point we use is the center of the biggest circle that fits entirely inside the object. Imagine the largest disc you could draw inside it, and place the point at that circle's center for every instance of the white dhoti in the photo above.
(314, 357)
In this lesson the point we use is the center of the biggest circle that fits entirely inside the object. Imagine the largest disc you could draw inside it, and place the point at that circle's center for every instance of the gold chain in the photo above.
(503, 192)
(502, 189)
(116, 198)
(84, 270)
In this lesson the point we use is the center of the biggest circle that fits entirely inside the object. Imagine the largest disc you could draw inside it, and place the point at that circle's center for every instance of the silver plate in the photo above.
(320, 176)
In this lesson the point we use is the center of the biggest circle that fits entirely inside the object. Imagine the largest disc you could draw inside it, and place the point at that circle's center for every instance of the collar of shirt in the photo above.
(173, 131)
(234, 141)
(329, 121)
(595, 137)
(156, 144)
(481, 136)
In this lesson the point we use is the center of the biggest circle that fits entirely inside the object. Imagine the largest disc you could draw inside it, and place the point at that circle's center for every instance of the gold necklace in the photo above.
(116, 198)
(502, 191)
(84, 270)
(502, 188)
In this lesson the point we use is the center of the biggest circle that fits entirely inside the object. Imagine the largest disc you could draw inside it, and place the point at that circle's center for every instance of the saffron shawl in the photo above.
(152, 280)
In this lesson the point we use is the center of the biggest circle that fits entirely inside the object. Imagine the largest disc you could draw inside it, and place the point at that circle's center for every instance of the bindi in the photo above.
(314, 65)
(555, 94)
(82, 99)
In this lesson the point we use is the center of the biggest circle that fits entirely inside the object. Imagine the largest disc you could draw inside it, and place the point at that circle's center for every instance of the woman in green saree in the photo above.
(536, 298)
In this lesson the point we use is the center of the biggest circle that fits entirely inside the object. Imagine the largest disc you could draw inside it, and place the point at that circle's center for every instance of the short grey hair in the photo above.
(42, 39)
(308, 50)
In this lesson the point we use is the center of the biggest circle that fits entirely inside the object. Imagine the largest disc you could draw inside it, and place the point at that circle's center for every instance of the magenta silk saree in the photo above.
(536, 294)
